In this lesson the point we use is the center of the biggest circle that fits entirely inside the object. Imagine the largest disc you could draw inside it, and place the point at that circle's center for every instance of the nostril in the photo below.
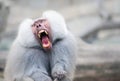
(39, 25)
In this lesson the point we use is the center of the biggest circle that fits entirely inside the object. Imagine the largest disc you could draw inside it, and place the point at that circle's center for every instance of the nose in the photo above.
(39, 25)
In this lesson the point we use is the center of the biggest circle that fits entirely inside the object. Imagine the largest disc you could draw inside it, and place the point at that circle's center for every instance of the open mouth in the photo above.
(44, 38)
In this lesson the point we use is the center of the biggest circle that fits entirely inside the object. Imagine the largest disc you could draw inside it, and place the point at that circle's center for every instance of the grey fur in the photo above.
(28, 61)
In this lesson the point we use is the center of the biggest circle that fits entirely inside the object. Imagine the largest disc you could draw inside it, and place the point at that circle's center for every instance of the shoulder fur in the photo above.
(25, 36)
(57, 22)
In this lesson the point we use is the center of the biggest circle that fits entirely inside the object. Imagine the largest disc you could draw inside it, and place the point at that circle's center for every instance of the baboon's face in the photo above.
(42, 31)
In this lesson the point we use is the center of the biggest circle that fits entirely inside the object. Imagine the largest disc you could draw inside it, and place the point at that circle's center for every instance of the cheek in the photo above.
(34, 30)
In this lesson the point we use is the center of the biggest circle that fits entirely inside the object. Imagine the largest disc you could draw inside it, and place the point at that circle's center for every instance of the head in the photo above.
(42, 32)
(48, 28)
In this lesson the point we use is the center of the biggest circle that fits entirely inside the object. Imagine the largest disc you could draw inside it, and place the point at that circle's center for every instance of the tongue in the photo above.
(45, 41)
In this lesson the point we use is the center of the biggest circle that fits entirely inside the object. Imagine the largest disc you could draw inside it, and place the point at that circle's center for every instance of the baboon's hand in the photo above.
(58, 73)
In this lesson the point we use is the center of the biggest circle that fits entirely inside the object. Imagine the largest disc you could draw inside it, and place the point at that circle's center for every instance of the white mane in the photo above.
(57, 23)
(25, 34)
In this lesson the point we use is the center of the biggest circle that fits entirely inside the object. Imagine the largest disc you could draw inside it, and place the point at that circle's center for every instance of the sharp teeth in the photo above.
(46, 32)
(39, 35)
(41, 31)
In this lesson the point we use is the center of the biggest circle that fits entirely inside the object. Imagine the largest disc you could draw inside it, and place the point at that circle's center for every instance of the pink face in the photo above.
(42, 31)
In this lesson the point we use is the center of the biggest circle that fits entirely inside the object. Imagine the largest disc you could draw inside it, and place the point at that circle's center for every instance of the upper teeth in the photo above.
(46, 32)
(39, 33)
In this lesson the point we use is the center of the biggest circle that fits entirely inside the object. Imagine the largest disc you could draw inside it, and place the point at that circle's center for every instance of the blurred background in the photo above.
(95, 23)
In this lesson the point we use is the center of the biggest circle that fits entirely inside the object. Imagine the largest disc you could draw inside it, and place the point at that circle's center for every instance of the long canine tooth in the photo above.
(46, 32)
(39, 35)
